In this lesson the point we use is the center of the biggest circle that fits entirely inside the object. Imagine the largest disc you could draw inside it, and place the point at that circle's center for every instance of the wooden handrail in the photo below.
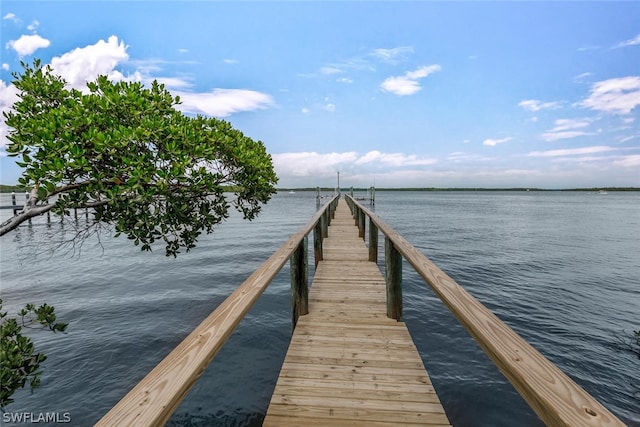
(555, 397)
(154, 399)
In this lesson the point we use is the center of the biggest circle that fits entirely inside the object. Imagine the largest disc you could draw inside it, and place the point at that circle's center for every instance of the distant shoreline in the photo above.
(17, 189)
(525, 189)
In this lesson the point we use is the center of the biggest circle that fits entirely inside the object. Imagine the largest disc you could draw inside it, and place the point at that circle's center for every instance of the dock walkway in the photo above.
(348, 363)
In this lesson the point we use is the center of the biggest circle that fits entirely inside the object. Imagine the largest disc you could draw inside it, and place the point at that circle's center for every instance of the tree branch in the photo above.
(23, 216)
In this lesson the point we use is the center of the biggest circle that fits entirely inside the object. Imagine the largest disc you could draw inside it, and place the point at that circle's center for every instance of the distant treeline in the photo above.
(11, 188)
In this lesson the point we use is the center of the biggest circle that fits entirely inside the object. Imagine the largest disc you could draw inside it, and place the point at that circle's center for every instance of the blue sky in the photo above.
(400, 94)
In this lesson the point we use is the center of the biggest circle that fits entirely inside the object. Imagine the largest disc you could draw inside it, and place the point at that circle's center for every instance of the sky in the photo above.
(391, 94)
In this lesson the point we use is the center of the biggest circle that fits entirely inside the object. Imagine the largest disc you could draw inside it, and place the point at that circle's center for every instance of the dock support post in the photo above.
(373, 241)
(317, 242)
(393, 278)
(324, 222)
(26, 199)
(299, 278)
(361, 223)
(333, 208)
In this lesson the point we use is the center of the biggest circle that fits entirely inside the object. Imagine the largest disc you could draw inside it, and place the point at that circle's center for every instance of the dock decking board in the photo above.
(348, 364)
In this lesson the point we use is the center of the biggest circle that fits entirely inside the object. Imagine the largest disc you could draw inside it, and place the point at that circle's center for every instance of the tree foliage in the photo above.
(19, 362)
(126, 151)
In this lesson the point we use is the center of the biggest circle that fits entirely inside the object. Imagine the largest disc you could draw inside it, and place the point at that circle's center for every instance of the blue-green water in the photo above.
(561, 268)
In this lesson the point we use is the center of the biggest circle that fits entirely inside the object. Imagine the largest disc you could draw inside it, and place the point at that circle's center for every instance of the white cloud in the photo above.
(572, 151)
(631, 42)
(11, 17)
(344, 80)
(27, 44)
(394, 159)
(394, 55)
(465, 157)
(631, 161)
(322, 165)
(494, 142)
(330, 70)
(82, 65)
(536, 105)
(566, 128)
(556, 136)
(628, 138)
(230, 61)
(408, 84)
(618, 96)
(169, 82)
(305, 110)
(330, 107)
(223, 102)
(33, 26)
(311, 164)
(5, 66)
(8, 95)
(580, 77)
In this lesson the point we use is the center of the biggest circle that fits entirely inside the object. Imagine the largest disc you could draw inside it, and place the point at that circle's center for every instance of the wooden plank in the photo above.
(431, 414)
(415, 389)
(276, 420)
(348, 363)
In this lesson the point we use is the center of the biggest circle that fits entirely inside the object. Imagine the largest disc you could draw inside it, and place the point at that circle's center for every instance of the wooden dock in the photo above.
(348, 363)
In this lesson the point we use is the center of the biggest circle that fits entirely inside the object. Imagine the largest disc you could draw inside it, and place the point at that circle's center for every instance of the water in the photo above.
(560, 268)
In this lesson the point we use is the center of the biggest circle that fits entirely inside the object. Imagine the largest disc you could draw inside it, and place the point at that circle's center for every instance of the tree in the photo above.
(143, 168)
(125, 151)
(19, 363)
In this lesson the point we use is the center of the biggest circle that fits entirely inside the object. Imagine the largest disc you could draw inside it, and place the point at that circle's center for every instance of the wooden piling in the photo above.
(393, 279)
(299, 282)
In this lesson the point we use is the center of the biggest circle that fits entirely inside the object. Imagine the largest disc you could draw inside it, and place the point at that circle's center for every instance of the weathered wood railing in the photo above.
(14, 206)
(154, 399)
(555, 397)
(17, 208)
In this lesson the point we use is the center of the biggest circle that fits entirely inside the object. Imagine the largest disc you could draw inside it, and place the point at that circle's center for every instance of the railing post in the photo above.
(317, 242)
(324, 222)
(361, 223)
(393, 278)
(13, 202)
(26, 199)
(299, 278)
(333, 207)
(373, 241)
